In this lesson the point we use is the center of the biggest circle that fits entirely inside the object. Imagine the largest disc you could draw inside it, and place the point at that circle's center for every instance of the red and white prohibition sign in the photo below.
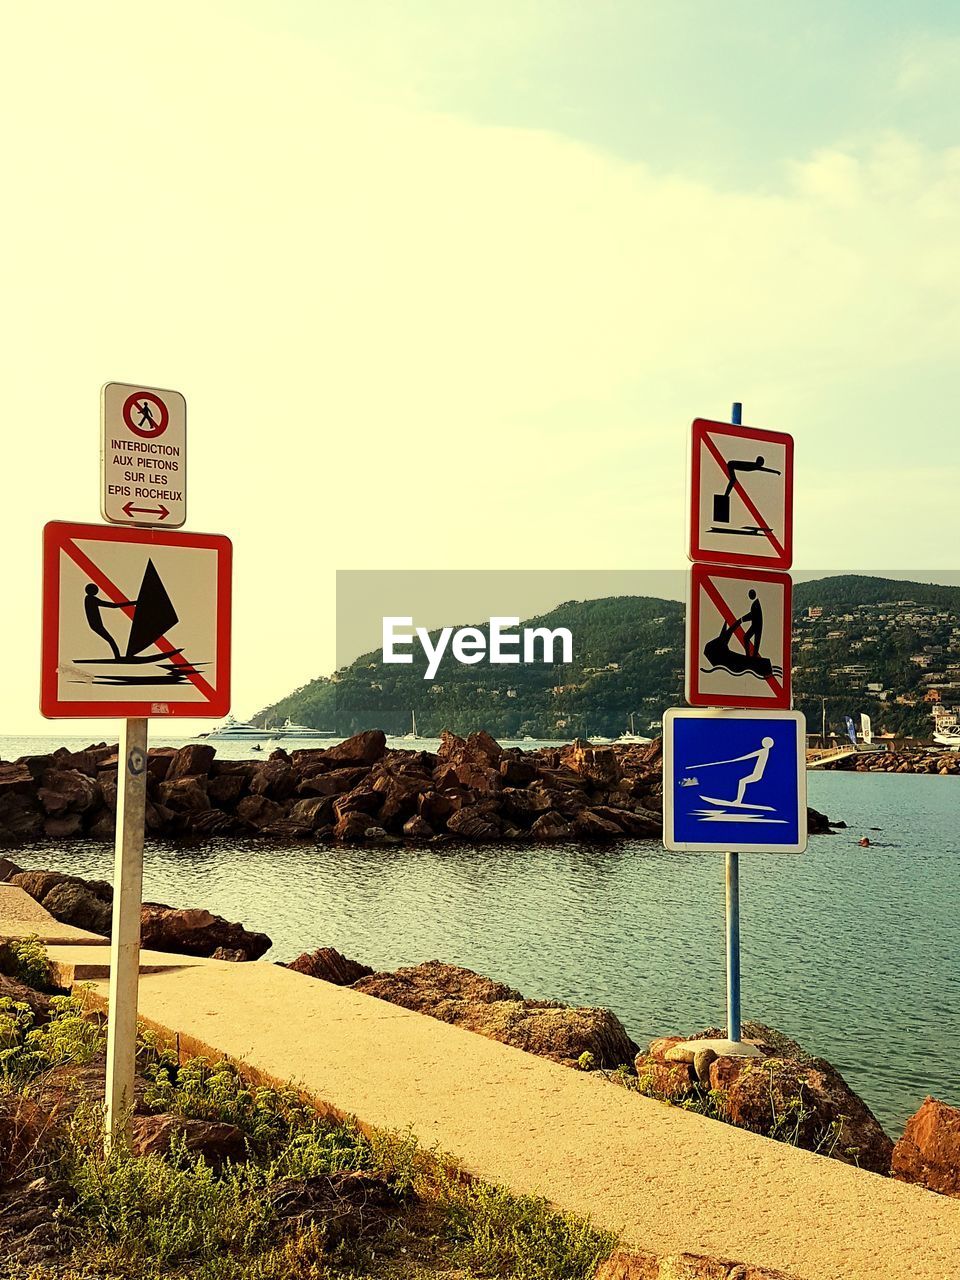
(738, 638)
(136, 622)
(741, 491)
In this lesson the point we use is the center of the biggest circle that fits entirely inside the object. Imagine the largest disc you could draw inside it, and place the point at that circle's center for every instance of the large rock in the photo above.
(275, 779)
(332, 782)
(550, 826)
(784, 1094)
(598, 765)
(328, 964)
(20, 817)
(37, 883)
(72, 902)
(192, 931)
(544, 1027)
(184, 795)
(67, 791)
(11, 988)
(258, 812)
(192, 761)
(216, 1142)
(928, 1154)
(624, 1265)
(363, 748)
(474, 823)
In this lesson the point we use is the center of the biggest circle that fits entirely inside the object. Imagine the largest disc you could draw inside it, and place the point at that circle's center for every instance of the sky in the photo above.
(444, 284)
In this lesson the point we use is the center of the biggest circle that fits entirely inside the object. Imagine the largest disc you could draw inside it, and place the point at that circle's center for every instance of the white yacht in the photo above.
(946, 730)
(233, 730)
(291, 730)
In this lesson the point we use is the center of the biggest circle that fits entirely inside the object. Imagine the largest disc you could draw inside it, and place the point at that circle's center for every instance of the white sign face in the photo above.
(741, 509)
(738, 638)
(136, 622)
(143, 455)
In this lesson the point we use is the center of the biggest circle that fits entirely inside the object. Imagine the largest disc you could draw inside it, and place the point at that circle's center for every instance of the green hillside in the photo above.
(628, 659)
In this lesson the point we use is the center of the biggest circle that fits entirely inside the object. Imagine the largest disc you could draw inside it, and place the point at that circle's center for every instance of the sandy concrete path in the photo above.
(663, 1179)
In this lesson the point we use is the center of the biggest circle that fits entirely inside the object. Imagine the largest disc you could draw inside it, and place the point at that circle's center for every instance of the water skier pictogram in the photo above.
(760, 758)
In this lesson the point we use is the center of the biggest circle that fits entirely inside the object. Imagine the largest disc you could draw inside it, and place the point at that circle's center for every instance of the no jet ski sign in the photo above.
(143, 455)
(136, 622)
(738, 638)
(734, 781)
(741, 509)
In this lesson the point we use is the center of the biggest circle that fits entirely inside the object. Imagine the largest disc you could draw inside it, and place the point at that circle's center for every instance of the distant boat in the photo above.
(291, 730)
(599, 742)
(233, 730)
(412, 736)
(632, 738)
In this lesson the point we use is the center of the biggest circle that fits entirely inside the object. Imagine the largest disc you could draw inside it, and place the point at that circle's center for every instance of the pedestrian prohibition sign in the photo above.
(734, 781)
(741, 509)
(136, 622)
(738, 638)
(143, 456)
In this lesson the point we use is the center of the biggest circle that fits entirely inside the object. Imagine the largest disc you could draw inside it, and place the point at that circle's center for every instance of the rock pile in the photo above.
(459, 996)
(916, 761)
(87, 904)
(471, 789)
(785, 1093)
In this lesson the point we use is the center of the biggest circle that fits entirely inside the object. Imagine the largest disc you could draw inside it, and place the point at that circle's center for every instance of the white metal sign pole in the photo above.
(125, 939)
(733, 896)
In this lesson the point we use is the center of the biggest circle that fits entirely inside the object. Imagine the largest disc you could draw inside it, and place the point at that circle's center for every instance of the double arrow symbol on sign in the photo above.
(160, 511)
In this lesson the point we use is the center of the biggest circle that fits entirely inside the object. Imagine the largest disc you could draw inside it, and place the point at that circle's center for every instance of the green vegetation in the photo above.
(151, 1217)
(628, 660)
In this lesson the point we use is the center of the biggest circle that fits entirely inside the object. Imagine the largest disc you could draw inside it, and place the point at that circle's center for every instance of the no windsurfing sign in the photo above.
(136, 623)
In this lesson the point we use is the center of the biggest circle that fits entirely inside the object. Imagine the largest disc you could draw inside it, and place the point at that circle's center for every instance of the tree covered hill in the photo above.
(861, 643)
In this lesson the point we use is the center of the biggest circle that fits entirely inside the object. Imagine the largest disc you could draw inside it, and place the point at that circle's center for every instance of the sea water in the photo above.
(853, 951)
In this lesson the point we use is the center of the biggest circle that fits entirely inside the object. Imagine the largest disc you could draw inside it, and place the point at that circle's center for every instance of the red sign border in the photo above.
(704, 426)
(55, 535)
(694, 697)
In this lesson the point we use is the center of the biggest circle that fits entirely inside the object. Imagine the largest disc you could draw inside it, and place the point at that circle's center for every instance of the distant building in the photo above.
(815, 611)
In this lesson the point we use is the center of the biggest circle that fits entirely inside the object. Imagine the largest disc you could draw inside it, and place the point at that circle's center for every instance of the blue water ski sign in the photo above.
(734, 781)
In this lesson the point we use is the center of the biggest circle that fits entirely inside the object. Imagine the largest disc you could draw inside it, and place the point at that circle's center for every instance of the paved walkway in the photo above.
(663, 1179)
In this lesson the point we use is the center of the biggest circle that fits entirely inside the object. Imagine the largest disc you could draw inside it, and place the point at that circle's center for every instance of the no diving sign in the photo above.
(143, 455)
(741, 508)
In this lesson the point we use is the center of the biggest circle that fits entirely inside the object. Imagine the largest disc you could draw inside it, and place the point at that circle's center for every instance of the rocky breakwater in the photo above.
(943, 762)
(88, 904)
(471, 789)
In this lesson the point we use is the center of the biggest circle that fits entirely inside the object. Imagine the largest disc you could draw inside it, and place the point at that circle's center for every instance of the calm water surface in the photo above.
(852, 951)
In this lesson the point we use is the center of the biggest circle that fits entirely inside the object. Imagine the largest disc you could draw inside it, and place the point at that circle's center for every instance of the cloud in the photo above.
(407, 338)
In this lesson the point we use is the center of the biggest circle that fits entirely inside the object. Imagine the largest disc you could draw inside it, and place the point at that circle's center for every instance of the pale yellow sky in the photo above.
(410, 337)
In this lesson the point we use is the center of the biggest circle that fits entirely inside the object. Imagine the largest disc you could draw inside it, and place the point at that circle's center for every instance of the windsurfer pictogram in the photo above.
(153, 616)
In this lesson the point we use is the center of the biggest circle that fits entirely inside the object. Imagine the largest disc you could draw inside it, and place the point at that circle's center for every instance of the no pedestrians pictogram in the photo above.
(146, 414)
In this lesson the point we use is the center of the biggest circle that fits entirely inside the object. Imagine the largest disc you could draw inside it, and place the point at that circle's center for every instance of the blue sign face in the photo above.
(734, 780)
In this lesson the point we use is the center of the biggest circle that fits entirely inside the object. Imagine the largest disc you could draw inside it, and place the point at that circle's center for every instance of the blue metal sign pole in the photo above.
(733, 896)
